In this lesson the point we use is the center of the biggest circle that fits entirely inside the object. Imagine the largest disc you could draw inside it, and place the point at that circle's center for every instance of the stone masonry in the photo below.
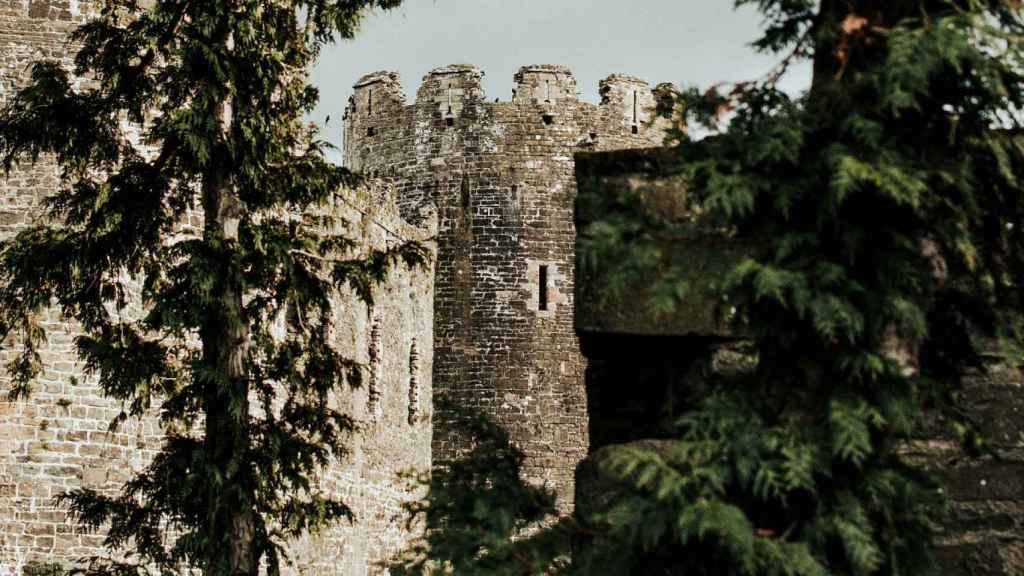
(501, 176)
(493, 326)
(59, 439)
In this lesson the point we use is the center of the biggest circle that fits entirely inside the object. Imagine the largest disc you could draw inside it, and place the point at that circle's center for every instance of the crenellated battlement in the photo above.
(376, 93)
(451, 105)
(544, 84)
(535, 84)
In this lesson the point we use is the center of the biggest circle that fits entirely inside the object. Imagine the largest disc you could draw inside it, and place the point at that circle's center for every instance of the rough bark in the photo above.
(225, 339)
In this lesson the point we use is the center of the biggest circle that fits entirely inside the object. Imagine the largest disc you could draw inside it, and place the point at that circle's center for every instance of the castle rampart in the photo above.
(501, 176)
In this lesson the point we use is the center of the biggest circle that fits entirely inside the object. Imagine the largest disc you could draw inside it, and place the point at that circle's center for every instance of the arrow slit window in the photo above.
(542, 288)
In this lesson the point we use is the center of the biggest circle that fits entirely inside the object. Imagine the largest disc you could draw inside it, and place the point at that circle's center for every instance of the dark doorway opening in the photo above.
(639, 385)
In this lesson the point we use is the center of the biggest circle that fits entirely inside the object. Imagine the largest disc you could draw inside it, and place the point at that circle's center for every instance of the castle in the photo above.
(498, 324)
(490, 185)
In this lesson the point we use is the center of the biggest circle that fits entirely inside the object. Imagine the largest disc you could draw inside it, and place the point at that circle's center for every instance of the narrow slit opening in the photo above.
(464, 193)
(542, 288)
(636, 129)
(449, 117)
(414, 383)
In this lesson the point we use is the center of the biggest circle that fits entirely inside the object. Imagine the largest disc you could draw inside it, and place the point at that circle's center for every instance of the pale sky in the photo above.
(688, 42)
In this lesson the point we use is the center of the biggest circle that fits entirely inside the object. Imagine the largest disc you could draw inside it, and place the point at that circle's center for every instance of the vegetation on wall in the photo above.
(177, 107)
(480, 517)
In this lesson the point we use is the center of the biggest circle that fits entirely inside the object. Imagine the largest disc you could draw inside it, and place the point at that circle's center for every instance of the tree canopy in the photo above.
(176, 107)
(884, 204)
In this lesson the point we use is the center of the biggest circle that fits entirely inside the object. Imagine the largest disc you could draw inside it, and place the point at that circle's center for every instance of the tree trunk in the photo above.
(225, 339)
(824, 63)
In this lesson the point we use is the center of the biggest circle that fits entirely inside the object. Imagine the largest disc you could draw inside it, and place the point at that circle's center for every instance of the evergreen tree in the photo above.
(217, 91)
(881, 209)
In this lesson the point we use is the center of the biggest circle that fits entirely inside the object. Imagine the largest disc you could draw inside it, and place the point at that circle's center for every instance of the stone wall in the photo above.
(393, 339)
(646, 183)
(59, 439)
(502, 177)
(984, 535)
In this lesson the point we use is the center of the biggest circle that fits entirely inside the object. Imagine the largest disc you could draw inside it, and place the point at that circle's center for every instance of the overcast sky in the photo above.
(688, 42)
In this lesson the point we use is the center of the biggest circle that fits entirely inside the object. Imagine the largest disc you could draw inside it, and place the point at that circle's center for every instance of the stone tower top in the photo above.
(631, 97)
(450, 87)
(382, 127)
(541, 84)
(375, 94)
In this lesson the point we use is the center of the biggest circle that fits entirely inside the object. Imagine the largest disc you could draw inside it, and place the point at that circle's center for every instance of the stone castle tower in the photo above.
(501, 175)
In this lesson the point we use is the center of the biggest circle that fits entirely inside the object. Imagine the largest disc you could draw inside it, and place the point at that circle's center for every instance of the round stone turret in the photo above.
(501, 175)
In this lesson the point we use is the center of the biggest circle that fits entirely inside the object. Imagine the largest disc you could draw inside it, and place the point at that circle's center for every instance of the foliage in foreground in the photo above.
(479, 515)
(222, 329)
(885, 206)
